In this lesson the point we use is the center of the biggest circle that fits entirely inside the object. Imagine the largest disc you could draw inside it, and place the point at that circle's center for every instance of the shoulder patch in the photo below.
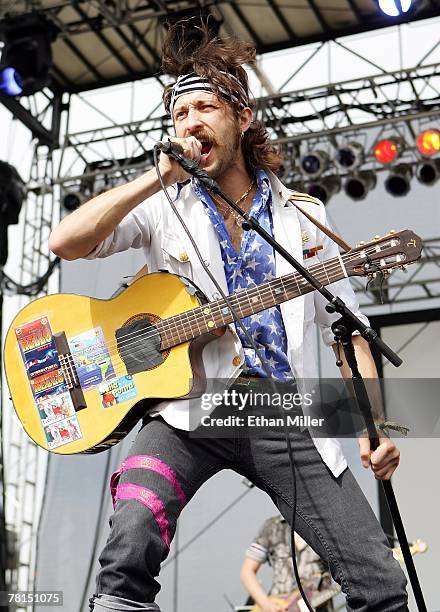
(305, 197)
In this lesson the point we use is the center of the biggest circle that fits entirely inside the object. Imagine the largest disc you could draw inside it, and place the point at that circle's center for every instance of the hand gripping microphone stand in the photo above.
(343, 329)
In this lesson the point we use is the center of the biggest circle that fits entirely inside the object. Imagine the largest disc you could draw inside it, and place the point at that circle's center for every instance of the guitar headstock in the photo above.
(419, 546)
(395, 250)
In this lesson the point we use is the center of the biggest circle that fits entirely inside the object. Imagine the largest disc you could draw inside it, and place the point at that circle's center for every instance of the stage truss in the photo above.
(25, 462)
(89, 161)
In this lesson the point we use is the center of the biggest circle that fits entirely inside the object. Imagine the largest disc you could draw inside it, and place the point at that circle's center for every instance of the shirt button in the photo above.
(236, 361)
(183, 256)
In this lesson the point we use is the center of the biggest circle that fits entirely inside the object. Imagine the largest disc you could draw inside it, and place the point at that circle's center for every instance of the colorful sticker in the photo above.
(311, 252)
(49, 384)
(92, 359)
(52, 397)
(117, 391)
(62, 432)
(55, 408)
(37, 347)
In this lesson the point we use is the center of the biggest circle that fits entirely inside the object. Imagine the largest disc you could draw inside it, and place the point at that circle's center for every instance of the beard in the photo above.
(227, 149)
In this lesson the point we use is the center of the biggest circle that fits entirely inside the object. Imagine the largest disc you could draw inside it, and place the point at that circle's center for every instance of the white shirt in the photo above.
(153, 227)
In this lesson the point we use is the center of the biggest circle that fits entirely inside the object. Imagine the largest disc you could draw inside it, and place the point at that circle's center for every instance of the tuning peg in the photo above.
(404, 267)
(361, 243)
(391, 232)
(376, 238)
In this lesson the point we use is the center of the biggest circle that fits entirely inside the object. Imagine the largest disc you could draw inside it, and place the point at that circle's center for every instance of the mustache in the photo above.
(205, 137)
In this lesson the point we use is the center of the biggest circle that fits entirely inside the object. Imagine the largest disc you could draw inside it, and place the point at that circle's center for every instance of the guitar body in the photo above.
(44, 404)
(281, 601)
(295, 602)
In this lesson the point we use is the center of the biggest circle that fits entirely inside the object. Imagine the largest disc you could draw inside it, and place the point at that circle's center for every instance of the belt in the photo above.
(248, 380)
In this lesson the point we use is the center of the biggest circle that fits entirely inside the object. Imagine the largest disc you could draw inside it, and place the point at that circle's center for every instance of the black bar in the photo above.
(20, 112)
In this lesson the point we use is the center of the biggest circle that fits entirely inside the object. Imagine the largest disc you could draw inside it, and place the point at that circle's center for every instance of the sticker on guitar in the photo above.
(92, 358)
(37, 347)
(51, 394)
(63, 432)
(117, 391)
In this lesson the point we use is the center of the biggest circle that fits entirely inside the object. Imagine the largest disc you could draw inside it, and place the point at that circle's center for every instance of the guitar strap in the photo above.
(325, 230)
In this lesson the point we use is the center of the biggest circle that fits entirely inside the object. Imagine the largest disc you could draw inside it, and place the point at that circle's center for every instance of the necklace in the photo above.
(238, 220)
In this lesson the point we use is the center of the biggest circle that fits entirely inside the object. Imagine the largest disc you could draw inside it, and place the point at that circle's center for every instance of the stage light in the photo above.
(314, 164)
(358, 185)
(10, 82)
(428, 142)
(349, 156)
(325, 189)
(398, 182)
(12, 194)
(394, 8)
(27, 51)
(428, 171)
(387, 150)
(72, 200)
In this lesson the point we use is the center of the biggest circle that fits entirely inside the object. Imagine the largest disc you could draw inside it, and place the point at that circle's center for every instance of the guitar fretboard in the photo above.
(214, 315)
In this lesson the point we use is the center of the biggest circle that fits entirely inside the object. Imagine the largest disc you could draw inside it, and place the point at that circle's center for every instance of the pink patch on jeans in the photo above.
(151, 501)
(154, 464)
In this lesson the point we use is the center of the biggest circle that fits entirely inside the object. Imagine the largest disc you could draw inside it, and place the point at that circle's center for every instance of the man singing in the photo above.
(215, 125)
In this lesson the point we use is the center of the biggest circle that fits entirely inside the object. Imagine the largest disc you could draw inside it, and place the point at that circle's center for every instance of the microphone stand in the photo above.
(343, 329)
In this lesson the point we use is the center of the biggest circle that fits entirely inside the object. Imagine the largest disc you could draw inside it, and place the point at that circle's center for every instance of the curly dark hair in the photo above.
(211, 59)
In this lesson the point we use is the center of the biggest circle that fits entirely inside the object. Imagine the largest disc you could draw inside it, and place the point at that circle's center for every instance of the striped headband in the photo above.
(187, 83)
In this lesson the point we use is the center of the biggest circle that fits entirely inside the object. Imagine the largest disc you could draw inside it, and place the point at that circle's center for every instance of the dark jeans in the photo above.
(333, 515)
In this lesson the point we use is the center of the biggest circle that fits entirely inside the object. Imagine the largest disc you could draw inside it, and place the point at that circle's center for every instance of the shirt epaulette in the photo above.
(305, 197)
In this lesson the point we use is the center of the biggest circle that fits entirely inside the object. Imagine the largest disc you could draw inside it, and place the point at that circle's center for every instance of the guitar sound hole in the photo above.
(139, 343)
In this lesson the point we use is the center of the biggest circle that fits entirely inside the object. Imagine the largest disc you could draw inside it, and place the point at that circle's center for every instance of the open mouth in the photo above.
(206, 147)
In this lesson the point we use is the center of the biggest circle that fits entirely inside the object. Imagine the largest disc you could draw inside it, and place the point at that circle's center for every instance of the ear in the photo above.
(246, 116)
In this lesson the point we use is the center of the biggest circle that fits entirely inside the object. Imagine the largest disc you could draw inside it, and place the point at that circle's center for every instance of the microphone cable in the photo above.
(156, 149)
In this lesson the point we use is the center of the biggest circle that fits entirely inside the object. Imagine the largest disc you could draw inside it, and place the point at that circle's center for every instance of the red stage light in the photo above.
(386, 151)
(428, 142)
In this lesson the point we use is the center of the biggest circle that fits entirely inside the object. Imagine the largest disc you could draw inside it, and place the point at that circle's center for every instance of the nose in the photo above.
(193, 121)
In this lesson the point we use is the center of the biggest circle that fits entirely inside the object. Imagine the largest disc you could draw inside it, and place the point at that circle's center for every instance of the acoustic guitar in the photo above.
(295, 603)
(78, 367)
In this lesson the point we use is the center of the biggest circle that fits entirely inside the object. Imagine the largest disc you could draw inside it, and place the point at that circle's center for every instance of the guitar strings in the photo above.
(288, 283)
(168, 327)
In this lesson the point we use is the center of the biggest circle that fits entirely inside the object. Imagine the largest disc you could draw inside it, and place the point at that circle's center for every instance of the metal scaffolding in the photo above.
(24, 460)
(90, 161)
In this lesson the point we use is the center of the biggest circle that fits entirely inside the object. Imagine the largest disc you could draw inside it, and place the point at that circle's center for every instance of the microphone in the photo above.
(175, 151)
(168, 147)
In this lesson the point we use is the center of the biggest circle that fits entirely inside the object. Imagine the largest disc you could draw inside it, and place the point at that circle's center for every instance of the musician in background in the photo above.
(273, 545)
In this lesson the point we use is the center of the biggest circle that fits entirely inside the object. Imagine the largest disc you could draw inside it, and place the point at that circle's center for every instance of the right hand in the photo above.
(171, 171)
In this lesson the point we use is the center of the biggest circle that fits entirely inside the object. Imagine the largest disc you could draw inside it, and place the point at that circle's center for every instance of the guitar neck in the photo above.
(214, 315)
